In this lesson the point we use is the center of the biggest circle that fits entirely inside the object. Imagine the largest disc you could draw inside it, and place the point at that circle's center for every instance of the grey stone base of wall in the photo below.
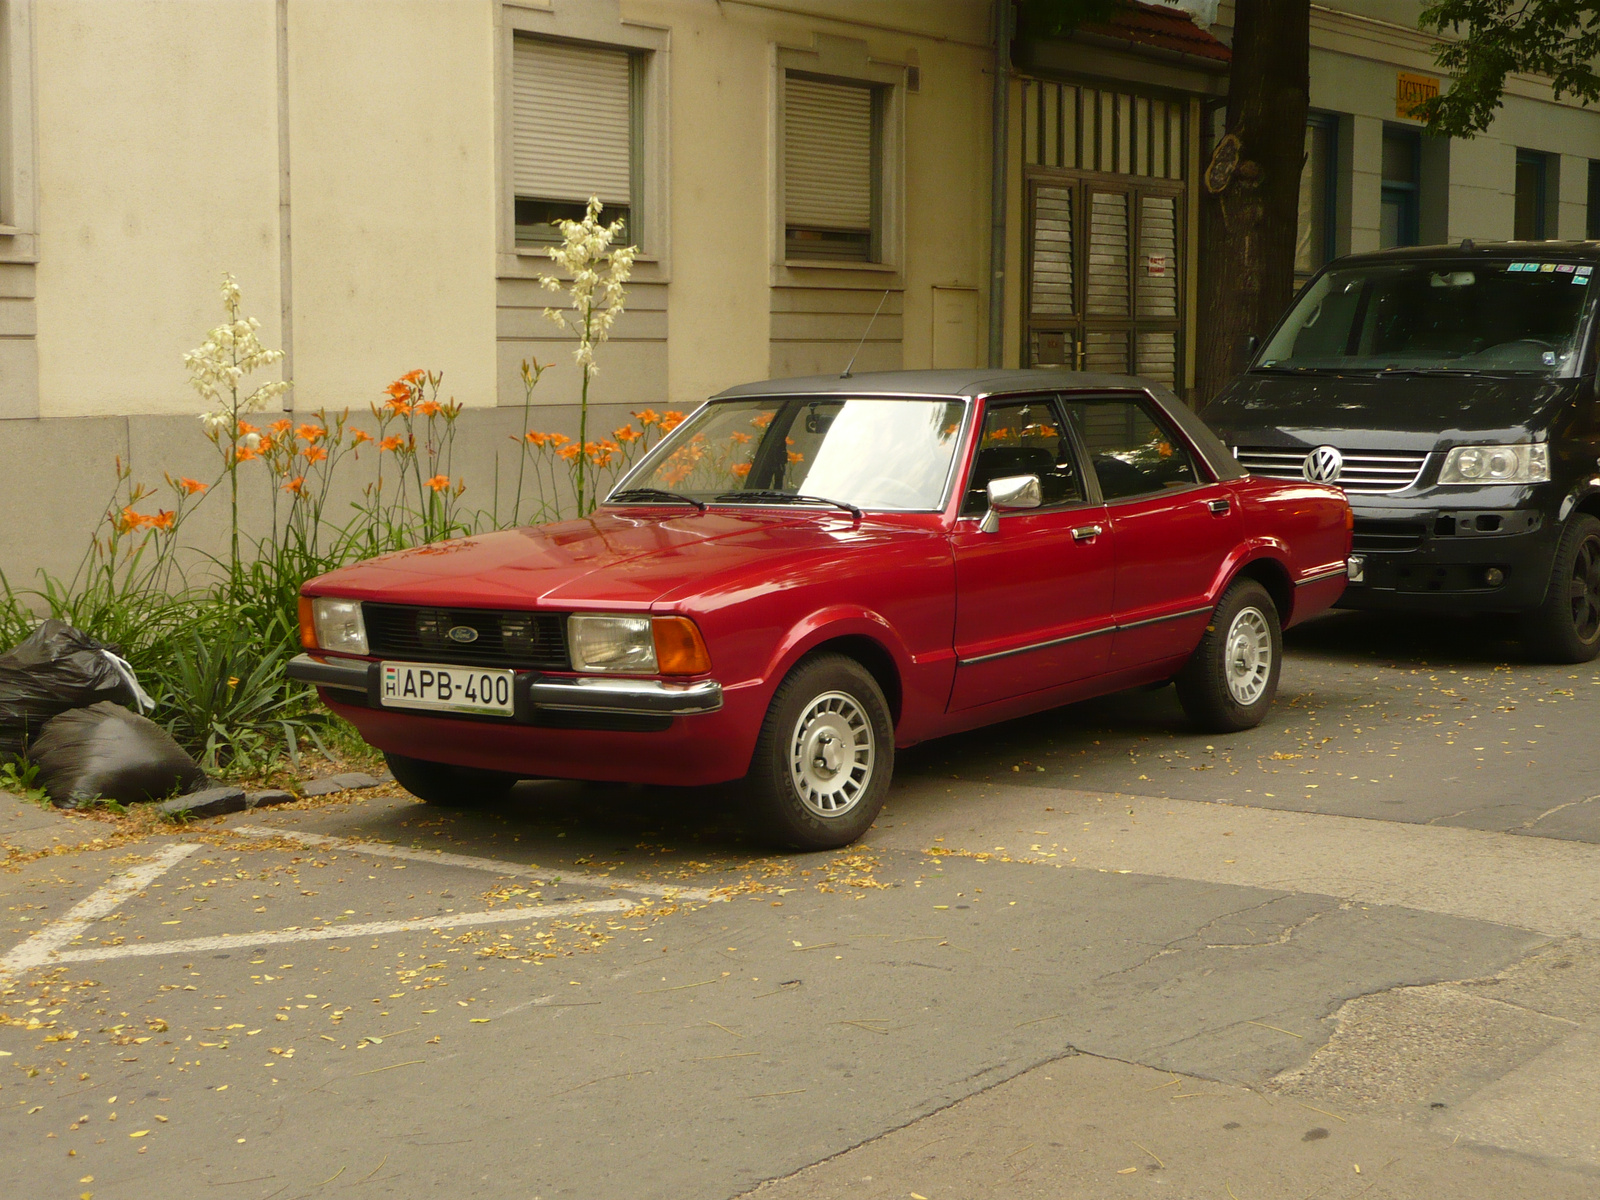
(58, 478)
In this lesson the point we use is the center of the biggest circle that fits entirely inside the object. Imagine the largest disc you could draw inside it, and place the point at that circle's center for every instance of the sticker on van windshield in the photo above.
(1523, 267)
(1564, 267)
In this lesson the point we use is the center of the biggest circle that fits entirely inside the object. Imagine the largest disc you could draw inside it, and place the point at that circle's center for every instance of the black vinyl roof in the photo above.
(967, 383)
(1470, 249)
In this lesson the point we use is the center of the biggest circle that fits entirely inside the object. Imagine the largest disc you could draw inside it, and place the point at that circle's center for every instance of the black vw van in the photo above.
(1450, 391)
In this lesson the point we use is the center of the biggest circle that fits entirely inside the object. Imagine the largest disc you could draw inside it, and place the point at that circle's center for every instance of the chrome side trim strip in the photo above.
(1062, 641)
(1177, 616)
(1078, 637)
(1333, 573)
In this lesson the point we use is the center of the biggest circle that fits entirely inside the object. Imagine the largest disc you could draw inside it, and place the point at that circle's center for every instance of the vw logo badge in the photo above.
(1323, 465)
(466, 633)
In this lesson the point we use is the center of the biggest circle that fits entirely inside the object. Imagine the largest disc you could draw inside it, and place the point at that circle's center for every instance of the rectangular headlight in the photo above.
(611, 642)
(338, 625)
(1527, 463)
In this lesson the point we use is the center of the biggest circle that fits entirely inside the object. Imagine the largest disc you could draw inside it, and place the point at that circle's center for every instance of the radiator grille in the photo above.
(1386, 535)
(1365, 472)
(505, 639)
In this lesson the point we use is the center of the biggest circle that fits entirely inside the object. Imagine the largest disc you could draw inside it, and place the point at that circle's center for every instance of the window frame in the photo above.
(1204, 476)
(1407, 192)
(1328, 124)
(1090, 484)
(1540, 161)
(599, 24)
(19, 188)
(844, 61)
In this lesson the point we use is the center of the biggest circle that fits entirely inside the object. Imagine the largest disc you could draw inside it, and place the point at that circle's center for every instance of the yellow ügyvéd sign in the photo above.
(1411, 90)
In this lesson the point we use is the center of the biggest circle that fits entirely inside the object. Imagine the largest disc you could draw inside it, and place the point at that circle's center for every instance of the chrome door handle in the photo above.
(1084, 532)
(1218, 507)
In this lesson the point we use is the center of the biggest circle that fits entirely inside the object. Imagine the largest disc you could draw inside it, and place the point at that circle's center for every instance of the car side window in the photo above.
(1133, 454)
(1024, 438)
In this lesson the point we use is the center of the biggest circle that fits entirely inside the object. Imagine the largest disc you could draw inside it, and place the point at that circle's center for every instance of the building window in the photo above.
(575, 134)
(1314, 243)
(1402, 172)
(1533, 171)
(833, 170)
(1592, 225)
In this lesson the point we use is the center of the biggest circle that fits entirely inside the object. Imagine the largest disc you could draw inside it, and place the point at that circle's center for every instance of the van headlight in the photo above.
(1527, 463)
(611, 642)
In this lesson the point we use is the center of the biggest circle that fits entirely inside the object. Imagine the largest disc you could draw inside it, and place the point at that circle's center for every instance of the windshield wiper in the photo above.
(650, 493)
(1429, 371)
(771, 494)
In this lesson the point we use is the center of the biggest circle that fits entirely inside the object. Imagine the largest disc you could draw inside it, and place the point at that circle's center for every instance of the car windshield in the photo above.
(1471, 315)
(867, 452)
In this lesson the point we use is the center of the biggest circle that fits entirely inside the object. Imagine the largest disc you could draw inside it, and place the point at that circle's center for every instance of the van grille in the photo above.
(1365, 472)
(505, 639)
(1386, 535)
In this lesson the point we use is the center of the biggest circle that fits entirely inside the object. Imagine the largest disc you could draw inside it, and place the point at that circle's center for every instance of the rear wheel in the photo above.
(824, 757)
(1229, 682)
(453, 787)
(1566, 627)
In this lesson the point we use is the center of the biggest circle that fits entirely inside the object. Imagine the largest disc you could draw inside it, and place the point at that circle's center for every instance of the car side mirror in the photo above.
(1012, 492)
(1247, 351)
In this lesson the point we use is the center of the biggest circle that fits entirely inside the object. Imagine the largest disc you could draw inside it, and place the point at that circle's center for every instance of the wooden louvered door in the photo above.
(1103, 276)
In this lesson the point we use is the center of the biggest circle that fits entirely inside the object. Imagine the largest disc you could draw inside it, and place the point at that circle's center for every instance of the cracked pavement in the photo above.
(1086, 954)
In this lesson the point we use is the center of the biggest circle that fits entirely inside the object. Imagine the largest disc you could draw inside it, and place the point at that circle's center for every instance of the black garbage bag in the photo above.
(54, 668)
(106, 752)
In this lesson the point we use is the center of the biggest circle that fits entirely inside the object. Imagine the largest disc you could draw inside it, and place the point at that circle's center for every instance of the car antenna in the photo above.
(863, 340)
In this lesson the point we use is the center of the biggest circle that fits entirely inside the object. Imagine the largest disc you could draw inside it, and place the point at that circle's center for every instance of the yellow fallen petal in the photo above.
(1127, 1170)
(139, 1133)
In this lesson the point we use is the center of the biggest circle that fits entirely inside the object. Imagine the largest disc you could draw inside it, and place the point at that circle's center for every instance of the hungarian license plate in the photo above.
(446, 689)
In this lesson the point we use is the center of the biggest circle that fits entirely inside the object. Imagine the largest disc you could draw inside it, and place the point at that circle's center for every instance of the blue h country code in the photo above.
(449, 689)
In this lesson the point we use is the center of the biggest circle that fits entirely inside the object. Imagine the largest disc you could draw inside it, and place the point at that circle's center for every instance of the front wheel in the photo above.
(1229, 682)
(824, 757)
(452, 787)
(1566, 627)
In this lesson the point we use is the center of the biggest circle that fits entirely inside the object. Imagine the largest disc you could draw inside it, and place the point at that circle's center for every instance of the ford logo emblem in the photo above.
(463, 634)
(1322, 465)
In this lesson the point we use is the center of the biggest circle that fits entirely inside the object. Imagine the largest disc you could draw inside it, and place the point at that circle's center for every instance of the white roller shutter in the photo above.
(572, 122)
(827, 146)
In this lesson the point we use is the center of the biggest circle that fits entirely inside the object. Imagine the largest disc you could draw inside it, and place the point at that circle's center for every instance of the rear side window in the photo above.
(1024, 438)
(1133, 453)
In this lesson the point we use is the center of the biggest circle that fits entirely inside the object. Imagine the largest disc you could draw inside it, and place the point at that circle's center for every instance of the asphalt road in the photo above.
(1354, 952)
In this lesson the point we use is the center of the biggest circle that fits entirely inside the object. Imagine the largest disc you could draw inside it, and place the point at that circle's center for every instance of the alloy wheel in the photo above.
(1247, 651)
(831, 754)
(1585, 590)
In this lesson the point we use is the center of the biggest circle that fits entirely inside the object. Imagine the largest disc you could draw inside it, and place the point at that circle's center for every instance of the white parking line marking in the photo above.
(531, 912)
(42, 946)
(493, 866)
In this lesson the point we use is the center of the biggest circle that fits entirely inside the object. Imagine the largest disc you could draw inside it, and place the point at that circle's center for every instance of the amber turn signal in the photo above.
(308, 627)
(680, 650)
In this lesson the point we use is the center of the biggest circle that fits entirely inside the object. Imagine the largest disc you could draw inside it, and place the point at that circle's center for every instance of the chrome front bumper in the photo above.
(644, 697)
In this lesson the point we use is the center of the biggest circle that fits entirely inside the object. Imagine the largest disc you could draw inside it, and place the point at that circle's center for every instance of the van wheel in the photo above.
(1566, 627)
(1230, 680)
(824, 756)
(452, 787)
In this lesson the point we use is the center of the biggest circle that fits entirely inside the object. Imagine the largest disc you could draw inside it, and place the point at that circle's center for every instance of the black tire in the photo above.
(452, 787)
(1566, 627)
(827, 696)
(1229, 658)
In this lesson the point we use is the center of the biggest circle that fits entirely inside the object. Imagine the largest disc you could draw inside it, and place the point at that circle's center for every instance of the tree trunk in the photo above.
(1247, 239)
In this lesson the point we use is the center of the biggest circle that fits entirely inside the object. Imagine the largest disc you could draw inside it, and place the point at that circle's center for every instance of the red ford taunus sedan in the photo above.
(809, 574)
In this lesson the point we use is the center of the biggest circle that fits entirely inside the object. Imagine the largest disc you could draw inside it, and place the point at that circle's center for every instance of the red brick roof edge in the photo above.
(1163, 28)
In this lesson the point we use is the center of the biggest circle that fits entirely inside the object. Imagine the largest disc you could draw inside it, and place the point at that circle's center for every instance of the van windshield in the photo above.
(1473, 315)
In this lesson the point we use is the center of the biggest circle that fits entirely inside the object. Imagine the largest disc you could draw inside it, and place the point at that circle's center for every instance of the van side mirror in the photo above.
(1247, 351)
(1011, 492)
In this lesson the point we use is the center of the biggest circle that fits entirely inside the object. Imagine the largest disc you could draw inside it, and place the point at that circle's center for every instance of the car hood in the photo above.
(614, 558)
(1394, 411)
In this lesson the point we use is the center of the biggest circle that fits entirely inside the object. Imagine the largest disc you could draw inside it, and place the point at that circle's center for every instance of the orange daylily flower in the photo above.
(428, 408)
(392, 442)
(192, 487)
(416, 376)
(741, 469)
(297, 485)
(245, 427)
(570, 453)
(558, 439)
(128, 520)
(314, 454)
(282, 426)
(626, 434)
(796, 457)
(439, 482)
(357, 436)
(671, 420)
(648, 417)
(761, 420)
(311, 433)
(534, 438)
(738, 438)
(244, 454)
(162, 520)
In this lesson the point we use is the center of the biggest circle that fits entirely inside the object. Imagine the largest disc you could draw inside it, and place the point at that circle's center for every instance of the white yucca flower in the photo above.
(598, 273)
(230, 352)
